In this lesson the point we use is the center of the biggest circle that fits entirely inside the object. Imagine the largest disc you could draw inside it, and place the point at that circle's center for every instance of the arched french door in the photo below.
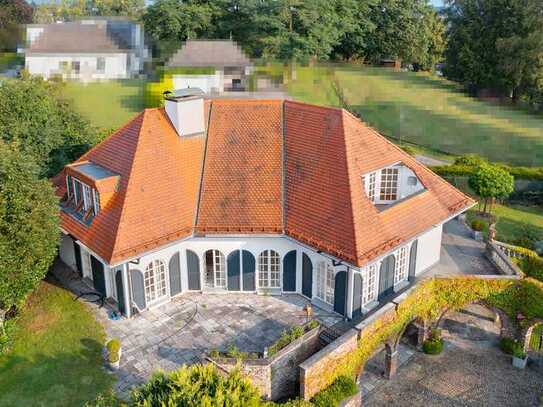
(413, 260)
(138, 289)
(386, 276)
(307, 276)
(174, 268)
(193, 270)
(340, 292)
(215, 269)
(269, 270)
(249, 267)
(357, 295)
(120, 291)
(232, 261)
(289, 271)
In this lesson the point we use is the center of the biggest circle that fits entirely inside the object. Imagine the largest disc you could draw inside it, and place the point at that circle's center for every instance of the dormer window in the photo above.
(390, 184)
(84, 200)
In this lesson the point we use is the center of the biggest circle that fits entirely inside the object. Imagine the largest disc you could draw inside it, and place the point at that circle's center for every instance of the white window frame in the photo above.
(95, 202)
(401, 264)
(371, 185)
(87, 196)
(218, 268)
(155, 281)
(269, 269)
(386, 182)
(325, 282)
(370, 284)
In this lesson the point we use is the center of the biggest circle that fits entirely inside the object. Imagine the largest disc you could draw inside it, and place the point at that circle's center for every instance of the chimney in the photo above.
(185, 108)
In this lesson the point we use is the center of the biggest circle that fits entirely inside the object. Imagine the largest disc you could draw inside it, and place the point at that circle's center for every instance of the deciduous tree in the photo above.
(491, 182)
(13, 14)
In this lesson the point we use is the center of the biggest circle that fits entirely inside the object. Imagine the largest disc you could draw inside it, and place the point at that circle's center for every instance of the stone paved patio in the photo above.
(182, 331)
(471, 371)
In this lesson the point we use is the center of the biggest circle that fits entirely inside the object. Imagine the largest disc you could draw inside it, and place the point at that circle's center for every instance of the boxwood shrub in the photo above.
(341, 388)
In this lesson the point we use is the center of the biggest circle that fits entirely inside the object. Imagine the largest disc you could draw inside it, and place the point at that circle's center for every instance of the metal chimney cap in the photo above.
(184, 93)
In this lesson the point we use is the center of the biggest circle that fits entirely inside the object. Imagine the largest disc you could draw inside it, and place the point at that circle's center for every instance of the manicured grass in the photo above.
(56, 357)
(514, 222)
(427, 110)
(108, 105)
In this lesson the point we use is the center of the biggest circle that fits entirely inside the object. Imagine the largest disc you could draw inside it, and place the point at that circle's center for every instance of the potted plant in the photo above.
(114, 354)
(434, 344)
(477, 227)
(519, 356)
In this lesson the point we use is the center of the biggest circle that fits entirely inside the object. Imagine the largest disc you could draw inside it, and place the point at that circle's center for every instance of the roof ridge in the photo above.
(129, 182)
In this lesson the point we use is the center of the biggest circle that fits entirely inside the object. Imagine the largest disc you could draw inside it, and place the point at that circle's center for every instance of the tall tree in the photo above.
(13, 14)
(491, 182)
(33, 115)
(495, 44)
(28, 226)
(69, 10)
(169, 22)
(409, 30)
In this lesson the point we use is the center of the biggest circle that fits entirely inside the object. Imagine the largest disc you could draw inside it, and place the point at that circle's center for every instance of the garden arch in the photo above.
(526, 333)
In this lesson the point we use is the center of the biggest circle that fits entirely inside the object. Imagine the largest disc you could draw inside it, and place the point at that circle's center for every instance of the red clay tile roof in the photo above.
(268, 167)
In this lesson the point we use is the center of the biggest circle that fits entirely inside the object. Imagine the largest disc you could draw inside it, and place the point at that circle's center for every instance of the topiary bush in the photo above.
(507, 345)
(432, 346)
(113, 350)
(518, 351)
(477, 225)
(341, 388)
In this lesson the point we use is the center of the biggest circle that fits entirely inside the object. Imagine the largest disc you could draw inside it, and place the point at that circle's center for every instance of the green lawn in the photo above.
(427, 110)
(108, 105)
(515, 222)
(56, 355)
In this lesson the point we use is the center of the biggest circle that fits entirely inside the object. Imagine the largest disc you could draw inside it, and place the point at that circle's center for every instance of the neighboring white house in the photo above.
(255, 196)
(88, 50)
(229, 65)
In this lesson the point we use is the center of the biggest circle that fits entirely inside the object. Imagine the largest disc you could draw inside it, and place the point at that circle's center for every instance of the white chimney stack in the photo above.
(185, 108)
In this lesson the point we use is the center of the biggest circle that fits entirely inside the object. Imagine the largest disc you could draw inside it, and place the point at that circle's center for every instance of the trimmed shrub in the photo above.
(518, 351)
(312, 324)
(341, 388)
(477, 225)
(507, 345)
(410, 150)
(533, 267)
(113, 349)
(196, 386)
(470, 160)
(432, 346)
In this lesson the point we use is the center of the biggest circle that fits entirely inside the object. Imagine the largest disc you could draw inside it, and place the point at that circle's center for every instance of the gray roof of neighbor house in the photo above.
(202, 53)
(75, 37)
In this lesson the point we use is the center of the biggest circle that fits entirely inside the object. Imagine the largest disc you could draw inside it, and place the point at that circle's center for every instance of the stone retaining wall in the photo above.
(277, 377)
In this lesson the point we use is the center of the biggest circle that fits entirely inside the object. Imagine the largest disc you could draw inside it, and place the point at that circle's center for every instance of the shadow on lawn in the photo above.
(135, 101)
(58, 379)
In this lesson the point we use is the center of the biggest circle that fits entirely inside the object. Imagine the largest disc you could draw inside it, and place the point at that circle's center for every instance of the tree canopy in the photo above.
(303, 30)
(491, 182)
(68, 10)
(13, 14)
(33, 115)
(28, 225)
(496, 44)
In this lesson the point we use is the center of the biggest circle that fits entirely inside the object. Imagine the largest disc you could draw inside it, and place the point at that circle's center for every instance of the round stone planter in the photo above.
(113, 365)
(520, 363)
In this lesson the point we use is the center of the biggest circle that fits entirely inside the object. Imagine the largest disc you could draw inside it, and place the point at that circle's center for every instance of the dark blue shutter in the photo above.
(413, 260)
(307, 276)
(175, 274)
(386, 276)
(340, 292)
(248, 271)
(120, 291)
(357, 295)
(289, 271)
(98, 277)
(77, 254)
(138, 288)
(193, 269)
(233, 271)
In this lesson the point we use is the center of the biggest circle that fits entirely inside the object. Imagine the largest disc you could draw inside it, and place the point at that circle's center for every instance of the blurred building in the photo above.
(228, 66)
(88, 50)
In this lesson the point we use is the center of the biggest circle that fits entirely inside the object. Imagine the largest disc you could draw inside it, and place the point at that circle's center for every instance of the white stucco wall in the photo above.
(429, 248)
(207, 83)
(49, 65)
(404, 189)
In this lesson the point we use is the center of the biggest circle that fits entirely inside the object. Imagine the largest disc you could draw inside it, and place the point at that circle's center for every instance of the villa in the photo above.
(256, 196)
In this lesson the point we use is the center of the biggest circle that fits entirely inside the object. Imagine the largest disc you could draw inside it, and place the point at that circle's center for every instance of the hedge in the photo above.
(455, 170)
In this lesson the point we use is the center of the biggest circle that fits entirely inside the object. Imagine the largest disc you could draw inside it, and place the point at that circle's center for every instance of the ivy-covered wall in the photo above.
(427, 302)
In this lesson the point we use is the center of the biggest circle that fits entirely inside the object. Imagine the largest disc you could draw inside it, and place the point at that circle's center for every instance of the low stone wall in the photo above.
(277, 377)
(501, 260)
(313, 377)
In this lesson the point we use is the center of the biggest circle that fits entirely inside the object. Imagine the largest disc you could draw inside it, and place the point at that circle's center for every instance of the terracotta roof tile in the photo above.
(269, 167)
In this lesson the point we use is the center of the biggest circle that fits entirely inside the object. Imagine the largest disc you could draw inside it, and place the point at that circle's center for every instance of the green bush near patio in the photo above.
(343, 387)
(56, 353)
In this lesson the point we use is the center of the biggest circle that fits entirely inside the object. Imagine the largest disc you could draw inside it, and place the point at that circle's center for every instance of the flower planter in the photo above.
(113, 365)
(520, 363)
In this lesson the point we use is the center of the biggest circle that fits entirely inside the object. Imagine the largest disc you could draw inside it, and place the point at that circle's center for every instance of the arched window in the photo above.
(369, 292)
(325, 282)
(215, 269)
(269, 269)
(155, 281)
